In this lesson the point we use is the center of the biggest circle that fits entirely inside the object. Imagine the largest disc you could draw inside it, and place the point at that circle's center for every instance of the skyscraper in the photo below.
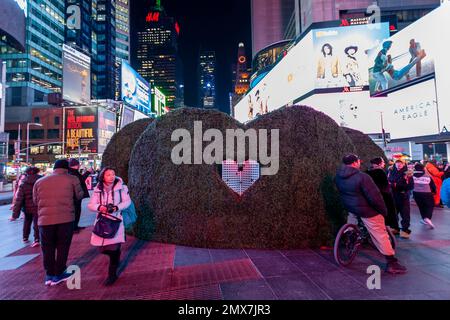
(241, 77)
(270, 19)
(105, 69)
(241, 83)
(123, 29)
(156, 55)
(78, 31)
(207, 86)
(36, 72)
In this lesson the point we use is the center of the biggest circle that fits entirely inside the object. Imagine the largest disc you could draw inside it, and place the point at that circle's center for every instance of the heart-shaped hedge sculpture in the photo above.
(118, 151)
(191, 205)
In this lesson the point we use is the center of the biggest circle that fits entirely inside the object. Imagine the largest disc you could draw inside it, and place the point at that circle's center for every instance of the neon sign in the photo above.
(177, 28)
(152, 17)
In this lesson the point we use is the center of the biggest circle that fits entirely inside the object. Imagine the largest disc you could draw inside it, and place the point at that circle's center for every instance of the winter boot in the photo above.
(114, 260)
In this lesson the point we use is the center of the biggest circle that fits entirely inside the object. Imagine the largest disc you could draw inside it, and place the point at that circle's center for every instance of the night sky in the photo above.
(217, 25)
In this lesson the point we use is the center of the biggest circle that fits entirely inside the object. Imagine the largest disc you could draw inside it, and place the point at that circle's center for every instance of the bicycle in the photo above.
(351, 238)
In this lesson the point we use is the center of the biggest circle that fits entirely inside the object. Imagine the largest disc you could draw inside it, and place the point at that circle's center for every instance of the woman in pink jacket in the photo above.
(110, 190)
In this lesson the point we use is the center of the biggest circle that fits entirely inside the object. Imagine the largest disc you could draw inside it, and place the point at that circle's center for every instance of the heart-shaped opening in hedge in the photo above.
(239, 177)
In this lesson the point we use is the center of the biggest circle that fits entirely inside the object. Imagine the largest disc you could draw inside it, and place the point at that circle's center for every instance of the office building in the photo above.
(207, 71)
(123, 29)
(35, 71)
(156, 56)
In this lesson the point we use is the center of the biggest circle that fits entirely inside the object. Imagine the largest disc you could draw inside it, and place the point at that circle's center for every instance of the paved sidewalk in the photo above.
(163, 271)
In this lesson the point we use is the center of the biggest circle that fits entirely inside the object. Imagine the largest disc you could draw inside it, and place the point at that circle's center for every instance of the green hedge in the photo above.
(366, 149)
(118, 151)
(191, 205)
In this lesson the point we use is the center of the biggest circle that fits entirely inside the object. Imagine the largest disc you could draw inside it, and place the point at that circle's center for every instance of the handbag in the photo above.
(107, 225)
(129, 215)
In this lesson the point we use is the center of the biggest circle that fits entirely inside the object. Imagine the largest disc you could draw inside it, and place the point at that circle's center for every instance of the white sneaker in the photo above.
(429, 223)
(423, 222)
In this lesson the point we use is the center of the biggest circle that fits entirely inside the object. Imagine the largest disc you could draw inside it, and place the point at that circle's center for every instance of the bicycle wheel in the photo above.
(346, 244)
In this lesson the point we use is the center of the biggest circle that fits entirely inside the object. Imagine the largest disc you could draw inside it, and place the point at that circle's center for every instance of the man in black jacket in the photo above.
(24, 200)
(74, 167)
(402, 184)
(361, 197)
(378, 174)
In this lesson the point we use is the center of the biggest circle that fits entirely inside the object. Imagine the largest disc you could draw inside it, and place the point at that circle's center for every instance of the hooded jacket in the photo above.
(54, 196)
(359, 194)
(24, 196)
(423, 183)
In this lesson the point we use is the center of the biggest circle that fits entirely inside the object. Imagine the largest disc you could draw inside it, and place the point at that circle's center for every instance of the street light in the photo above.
(28, 135)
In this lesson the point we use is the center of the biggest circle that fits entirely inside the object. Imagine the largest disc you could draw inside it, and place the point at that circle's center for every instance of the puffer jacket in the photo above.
(24, 196)
(436, 175)
(54, 196)
(359, 194)
(118, 196)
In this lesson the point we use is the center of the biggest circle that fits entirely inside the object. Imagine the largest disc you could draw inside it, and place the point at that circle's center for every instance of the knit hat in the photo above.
(61, 164)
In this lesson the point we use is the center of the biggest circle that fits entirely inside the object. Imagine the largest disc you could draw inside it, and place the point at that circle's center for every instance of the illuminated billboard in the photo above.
(340, 55)
(324, 60)
(402, 60)
(87, 130)
(160, 102)
(405, 114)
(135, 91)
(106, 128)
(76, 76)
(127, 117)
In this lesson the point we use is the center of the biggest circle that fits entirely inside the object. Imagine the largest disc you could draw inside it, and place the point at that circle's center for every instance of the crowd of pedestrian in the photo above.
(52, 205)
(382, 196)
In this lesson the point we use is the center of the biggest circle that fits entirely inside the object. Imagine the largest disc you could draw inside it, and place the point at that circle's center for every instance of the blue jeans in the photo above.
(398, 75)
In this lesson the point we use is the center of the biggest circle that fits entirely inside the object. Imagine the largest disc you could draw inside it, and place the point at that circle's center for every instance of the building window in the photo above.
(56, 121)
(53, 134)
(37, 134)
(37, 120)
(13, 134)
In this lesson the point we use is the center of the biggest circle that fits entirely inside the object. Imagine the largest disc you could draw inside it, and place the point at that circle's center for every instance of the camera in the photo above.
(110, 208)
